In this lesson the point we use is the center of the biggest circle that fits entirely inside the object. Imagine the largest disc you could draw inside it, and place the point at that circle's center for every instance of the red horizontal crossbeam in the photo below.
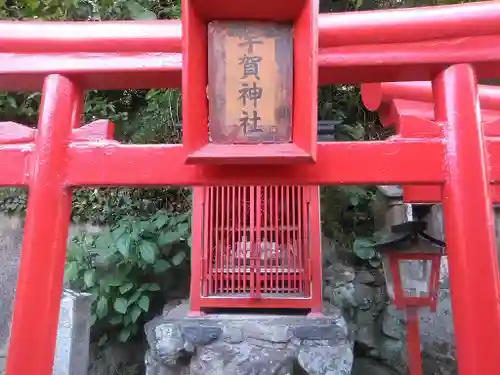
(419, 61)
(103, 55)
(26, 72)
(368, 63)
(409, 106)
(96, 37)
(376, 94)
(108, 163)
(113, 164)
(335, 30)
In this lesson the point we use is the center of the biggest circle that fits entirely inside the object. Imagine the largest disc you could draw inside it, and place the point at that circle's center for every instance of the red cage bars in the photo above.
(259, 247)
(402, 45)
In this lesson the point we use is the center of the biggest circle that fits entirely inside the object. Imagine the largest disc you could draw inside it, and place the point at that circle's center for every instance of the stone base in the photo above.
(248, 345)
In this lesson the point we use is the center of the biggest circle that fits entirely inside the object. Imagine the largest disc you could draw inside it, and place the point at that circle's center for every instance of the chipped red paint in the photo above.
(422, 44)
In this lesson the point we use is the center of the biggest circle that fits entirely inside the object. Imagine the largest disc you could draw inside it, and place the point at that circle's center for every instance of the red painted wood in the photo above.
(469, 223)
(397, 62)
(336, 29)
(196, 15)
(26, 72)
(116, 37)
(408, 25)
(14, 164)
(287, 153)
(12, 132)
(43, 255)
(405, 105)
(375, 95)
(95, 131)
(419, 61)
(413, 342)
(145, 165)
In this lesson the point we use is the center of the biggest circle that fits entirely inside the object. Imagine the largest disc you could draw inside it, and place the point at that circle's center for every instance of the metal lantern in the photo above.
(411, 266)
(412, 261)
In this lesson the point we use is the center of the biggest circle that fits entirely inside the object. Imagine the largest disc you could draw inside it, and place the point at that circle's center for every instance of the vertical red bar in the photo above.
(253, 242)
(207, 235)
(234, 236)
(413, 341)
(293, 240)
(315, 249)
(266, 241)
(469, 224)
(246, 264)
(240, 237)
(211, 260)
(300, 237)
(197, 256)
(279, 248)
(40, 281)
(223, 240)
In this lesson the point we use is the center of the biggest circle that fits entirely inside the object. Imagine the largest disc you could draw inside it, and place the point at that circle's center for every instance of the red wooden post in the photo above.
(469, 225)
(39, 288)
(413, 341)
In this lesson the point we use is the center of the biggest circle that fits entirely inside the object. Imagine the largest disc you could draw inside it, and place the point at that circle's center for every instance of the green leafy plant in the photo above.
(122, 267)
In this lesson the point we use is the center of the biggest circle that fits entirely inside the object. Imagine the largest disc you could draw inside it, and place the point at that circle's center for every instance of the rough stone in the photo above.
(316, 332)
(249, 344)
(364, 296)
(369, 366)
(321, 360)
(199, 335)
(393, 323)
(365, 277)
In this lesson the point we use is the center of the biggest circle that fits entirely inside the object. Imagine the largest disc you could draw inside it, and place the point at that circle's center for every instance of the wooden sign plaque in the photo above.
(250, 82)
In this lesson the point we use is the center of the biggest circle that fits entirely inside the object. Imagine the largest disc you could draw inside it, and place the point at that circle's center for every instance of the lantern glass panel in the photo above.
(415, 277)
(389, 281)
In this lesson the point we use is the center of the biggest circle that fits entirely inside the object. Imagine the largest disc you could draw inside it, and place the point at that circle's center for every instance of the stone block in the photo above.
(248, 344)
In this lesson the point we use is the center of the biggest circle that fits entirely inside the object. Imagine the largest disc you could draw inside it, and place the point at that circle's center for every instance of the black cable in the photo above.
(431, 239)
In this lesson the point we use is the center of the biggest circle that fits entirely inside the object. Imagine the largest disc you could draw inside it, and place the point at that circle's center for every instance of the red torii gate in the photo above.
(405, 105)
(397, 45)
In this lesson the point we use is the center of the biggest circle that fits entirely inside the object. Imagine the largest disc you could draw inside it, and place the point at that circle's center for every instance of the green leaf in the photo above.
(144, 303)
(148, 251)
(71, 271)
(161, 266)
(119, 231)
(168, 238)
(123, 245)
(363, 248)
(183, 229)
(120, 305)
(178, 258)
(102, 307)
(190, 241)
(138, 12)
(125, 288)
(88, 278)
(115, 320)
(124, 334)
(134, 297)
(161, 221)
(154, 287)
(102, 340)
(135, 314)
